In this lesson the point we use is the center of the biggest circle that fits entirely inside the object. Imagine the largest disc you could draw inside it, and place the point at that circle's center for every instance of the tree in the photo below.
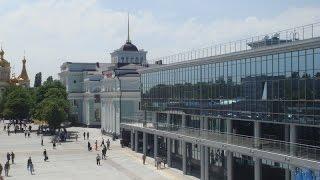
(18, 103)
(52, 105)
(38, 80)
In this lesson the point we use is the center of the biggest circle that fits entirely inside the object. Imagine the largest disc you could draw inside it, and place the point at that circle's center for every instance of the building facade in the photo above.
(249, 114)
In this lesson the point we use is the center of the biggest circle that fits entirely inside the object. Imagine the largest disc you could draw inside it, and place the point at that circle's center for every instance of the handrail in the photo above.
(279, 37)
(288, 148)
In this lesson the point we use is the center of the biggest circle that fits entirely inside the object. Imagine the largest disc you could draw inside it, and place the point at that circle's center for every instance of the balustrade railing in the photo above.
(281, 147)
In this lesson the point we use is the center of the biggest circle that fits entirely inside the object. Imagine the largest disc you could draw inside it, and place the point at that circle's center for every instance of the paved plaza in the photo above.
(71, 160)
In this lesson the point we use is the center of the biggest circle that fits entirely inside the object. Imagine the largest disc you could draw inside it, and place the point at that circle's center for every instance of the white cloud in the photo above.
(53, 31)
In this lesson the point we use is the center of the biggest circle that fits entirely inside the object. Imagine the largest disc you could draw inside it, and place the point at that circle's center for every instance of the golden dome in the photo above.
(24, 75)
(3, 62)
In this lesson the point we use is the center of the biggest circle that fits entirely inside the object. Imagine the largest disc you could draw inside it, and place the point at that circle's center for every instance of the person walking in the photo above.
(12, 157)
(102, 143)
(45, 155)
(96, 145)
(8, 156)
(108, 144)
(84, 135)
(144, 159)
(4, 127)
(41, 140)
(7, 168)
(89, 146)
(98, 158)
(28, 134)
(25, 133)
(88, 135)
(30, 166)
(1, 168)
(54, 144)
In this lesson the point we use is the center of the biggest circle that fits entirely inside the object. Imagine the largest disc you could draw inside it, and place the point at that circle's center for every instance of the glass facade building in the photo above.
(277, 87)
(243, 114)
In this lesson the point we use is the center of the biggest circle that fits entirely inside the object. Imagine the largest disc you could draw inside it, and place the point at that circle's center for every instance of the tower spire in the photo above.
(128, 40)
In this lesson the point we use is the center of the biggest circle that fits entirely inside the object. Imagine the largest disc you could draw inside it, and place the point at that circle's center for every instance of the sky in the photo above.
(51, 32)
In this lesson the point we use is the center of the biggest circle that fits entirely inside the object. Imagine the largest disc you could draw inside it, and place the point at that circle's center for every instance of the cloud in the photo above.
(52, 32)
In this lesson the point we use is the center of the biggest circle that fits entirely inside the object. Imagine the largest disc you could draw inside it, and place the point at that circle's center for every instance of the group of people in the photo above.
(10, 156)
(16, 128)
(104, 149)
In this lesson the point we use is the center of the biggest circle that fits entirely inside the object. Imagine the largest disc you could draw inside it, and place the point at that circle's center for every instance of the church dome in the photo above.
(128, 46)
(3, 62)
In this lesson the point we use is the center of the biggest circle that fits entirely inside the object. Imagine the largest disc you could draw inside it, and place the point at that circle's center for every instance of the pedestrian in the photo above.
(7, 168)
(96, 145)
(28, 134)
(4, 127)
(1, 168)
(144, 159)
(102, 143)
(84, 135)
(89, 146)
(8, 156)
(45, 155)
(88, 135)
(98, 158)
(76, 137)
(30, 166)
(25, 133)
(12, 157)
(41, 140)
(30, 128)
(108, 144)
(54, 144)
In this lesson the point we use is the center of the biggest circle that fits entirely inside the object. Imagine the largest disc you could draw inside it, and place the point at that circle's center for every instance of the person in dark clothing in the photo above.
(7, 168)
(89, 146)
(30, 165)
(84, 135)
(54, 144)
(12, 157)
(144, 159)
(88, 135)
(98, 159)
(8, 156)
(102, 143)
(45, 155)
(108, 144)
(30, 128)
(1, 168)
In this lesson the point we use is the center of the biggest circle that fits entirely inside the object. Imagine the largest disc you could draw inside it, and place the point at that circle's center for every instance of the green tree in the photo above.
(18, 103)
(53, 113)
(38, 80)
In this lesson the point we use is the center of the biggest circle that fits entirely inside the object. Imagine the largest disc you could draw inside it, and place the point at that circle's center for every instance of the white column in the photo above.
(136, 143)
(202, 162)
(206, 163)
(168, 118)
(132, 140)
(84, 111)
(169, 152)
(257, 162)
(88, 112)
(144, 140)
(183, 120)
(293, 139)
(155, 145)
(229, 128)
(205, 123)
(229, 165)
(184, 157)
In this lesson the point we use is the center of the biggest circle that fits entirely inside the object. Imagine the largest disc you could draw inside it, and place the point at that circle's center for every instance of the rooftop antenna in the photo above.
(128, 40)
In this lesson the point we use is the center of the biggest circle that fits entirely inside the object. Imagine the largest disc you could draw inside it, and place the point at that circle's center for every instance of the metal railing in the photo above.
(276, 146)
(279, 37)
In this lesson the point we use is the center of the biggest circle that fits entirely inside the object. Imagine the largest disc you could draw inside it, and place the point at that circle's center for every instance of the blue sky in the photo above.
(54, 31)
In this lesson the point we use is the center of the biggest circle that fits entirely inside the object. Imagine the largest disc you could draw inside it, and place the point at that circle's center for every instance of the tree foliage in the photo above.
(18, 103)
(52, 105)
(38, 80)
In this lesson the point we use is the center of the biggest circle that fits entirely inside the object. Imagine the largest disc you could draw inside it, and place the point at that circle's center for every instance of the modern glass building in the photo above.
(235, 111)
